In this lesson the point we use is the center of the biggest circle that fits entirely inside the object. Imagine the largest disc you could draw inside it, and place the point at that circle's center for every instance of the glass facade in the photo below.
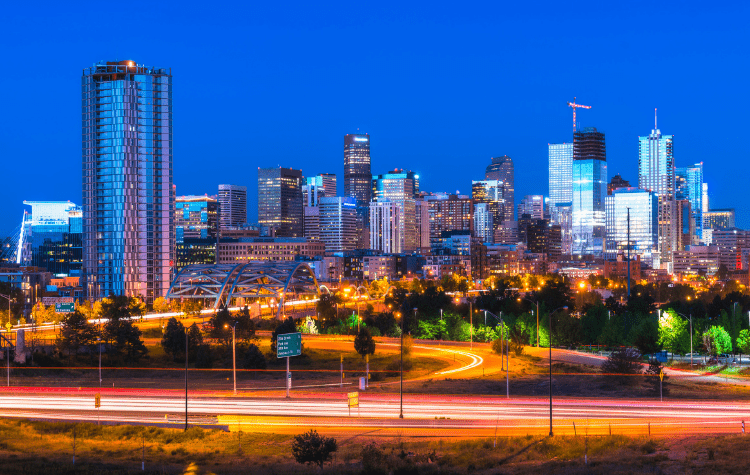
(689, 186)
(196, 217)
(128, 196)
(483, 228)
(232, 206)
(501, 169)
(401, 189)
(560, 173)
(644, 224)
(656, 172)
(589, 191)
(53, 237)
(280, 201)
(492, 193)
(338, 223)
(357, 174)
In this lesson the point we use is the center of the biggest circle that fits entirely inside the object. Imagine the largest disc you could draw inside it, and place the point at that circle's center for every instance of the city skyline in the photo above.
(477, 119)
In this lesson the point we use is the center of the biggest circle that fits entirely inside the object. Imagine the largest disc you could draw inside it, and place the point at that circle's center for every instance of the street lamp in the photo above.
(507, 358)
(7, 339)
(690, 318)
(234, 360)
(401, 372)
(550, 366)
(537, 317)
(99, 344)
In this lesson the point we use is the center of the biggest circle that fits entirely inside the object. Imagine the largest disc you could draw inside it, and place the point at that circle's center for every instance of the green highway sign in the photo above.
(288, 344)
(65, 307)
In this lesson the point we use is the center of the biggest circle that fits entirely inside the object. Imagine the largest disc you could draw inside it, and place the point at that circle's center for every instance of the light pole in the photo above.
(99, 344)
(537, 317)
(234, 359)
(186, 378)
(690, 318)
(401, 372)
(507, 358)
(550, 366)
(9, 326)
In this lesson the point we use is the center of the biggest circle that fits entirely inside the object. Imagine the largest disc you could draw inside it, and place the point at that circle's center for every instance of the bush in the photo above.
(311, 447)
(499, 347)
(373, 460)
(203, 357)
(622, 363)
(254, 358)
(652, 380)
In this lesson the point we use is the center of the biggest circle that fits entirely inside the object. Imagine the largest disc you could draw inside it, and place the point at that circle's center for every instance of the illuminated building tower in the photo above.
(232, 206)
(589, 190)
(128, 197)
(280, 201)
(357, 174)
(338, 223)
(491, 192)
(400, 188)
(643, 206)
(533, 205)
(501, 169)
(561, 191)
(689, 186)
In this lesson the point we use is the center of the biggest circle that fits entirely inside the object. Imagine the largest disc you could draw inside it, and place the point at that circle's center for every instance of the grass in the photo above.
(44, 447)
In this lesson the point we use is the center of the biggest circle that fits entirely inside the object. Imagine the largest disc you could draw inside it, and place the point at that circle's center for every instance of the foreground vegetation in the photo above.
(48, 447)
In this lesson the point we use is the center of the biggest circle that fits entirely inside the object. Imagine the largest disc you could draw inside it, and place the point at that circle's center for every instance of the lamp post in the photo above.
(401, 372)
(234, 359)
(186, 378)
(507, 358)
(99, 344)
(537, 317)
(7, 348)
(690, 319)
(550, 366)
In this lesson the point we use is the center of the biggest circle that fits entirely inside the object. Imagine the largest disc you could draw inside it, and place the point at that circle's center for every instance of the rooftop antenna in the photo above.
(655, 127)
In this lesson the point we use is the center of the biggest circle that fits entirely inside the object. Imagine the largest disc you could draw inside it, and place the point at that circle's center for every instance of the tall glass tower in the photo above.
(561, 191)
(589, 190)
(689, 186)
(357, 173)
(280, 201)
(656, 173)
(501, 169)
(128, 197)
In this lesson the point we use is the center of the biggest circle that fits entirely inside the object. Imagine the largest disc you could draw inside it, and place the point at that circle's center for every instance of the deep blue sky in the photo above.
(441, 88)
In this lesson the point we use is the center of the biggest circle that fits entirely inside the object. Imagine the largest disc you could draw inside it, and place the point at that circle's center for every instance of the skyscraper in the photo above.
(689, 186)
(128, 197)
(386, 228)
(533, 205)
(400, 188)
(561, 191)
(643, 206)
(491, 192)
(589, 190)
(357, 174)
(319, 186)
(483, 228)
(280, 201)
(53, 237)
(656, 172)
(501, 169)
(232, 206)
(338, 223)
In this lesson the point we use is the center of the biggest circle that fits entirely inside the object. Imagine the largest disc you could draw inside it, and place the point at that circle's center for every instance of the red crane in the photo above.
(576, 106)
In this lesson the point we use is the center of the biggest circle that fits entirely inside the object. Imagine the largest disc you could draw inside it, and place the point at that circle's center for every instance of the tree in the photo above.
(673, 333)
(121, 335)
(717, 341)
(254, 358)
(287, 326)
(623, 362)
(75, 333)
(645, 336)
(161, 305)
(363, 343)
(519, 335)
(195, 341)
(743, 342)
(222, 323)
(652, 380)
(120, 307)
(311, 447)
(173, 339)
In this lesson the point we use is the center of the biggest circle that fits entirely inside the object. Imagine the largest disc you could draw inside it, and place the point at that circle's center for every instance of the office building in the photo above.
(449, 213)
(357, 174)
(656, 173)
(696, 260)
(533, 205)
(232, 206)
(195, 251)
(642, 226)
(280, 201)
(51, 238)
(317, 187)
(236, 250)
(589, 190)
(483, 223)
(616, 183)
(719, 219)
(128, 195)
(338, 223)
(422, 213)
(561, 191)
(731, 243)
(507, 233)
(400, 188)
(386, 225)
(689, 186)
(196, 217)
(684, 225)
(501, 169)
(491, 192)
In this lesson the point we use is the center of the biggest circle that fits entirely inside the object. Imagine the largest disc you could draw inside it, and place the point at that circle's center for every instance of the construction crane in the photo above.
(576, 106)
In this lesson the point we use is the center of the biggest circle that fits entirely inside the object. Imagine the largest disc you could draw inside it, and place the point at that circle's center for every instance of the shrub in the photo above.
(373, 460)
(500, 347)
(652, 379)
(622, 363)
(311, 447)
(254, 358)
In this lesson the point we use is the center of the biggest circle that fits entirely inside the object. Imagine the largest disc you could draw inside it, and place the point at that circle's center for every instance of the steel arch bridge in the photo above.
(253, 280)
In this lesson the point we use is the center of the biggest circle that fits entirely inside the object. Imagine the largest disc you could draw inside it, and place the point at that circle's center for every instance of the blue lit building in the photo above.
(689, 186)
(52, 237)
(128, 196)
(589, 190)
(644, 224)
(196, 217)
(338, 223)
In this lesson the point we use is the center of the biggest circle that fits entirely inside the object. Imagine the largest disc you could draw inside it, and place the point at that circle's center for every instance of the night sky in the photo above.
(441, 88)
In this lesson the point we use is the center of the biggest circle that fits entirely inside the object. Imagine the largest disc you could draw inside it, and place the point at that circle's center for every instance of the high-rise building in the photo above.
(643, 225)
(401, 188)
(561, 191)
(533, 205)
(232, 206)
(689, 186)
(617, 182)
(731, 243)
(491, 192)
(52, 237)
(501, 169)
(128, 196)
(422, 212)
(449, 213)
(280, 201)
(338, 223)
(317, 187)
(483, 224)
(656, 173)
(196, 217)
(386, 227)
(589, 190)
(357, 174)
(719, 219)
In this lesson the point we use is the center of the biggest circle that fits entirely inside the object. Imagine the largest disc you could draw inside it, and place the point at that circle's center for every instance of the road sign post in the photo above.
(97, 405)
(287, 345)
(353, 401)
(661, 383)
